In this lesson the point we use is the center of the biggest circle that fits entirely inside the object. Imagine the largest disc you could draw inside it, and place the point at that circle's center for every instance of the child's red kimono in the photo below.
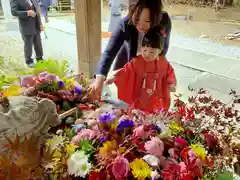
(145, 84)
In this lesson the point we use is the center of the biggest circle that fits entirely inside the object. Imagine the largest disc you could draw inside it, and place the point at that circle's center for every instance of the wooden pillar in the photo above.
(88, 31)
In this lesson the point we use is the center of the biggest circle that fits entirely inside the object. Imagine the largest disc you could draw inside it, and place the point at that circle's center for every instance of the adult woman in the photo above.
(128, 35)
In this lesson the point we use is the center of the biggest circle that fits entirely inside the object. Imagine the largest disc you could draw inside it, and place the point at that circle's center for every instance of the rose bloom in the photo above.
(141, 132)
(154, 147)
(120, 167)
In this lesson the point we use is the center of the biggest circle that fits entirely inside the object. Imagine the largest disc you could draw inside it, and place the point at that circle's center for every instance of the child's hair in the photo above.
(153, 39)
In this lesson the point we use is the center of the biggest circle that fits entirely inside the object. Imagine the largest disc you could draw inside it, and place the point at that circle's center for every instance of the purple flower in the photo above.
(61, 84)
(103, 139)
(106, 118)
(156, 128)
(125, 124)
(78, 90)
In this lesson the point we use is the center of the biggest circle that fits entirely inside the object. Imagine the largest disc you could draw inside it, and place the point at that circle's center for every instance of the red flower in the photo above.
(139, 144)
(186, 113)
(180, 142)
(210, 139)
(193, 164)
(97, 175)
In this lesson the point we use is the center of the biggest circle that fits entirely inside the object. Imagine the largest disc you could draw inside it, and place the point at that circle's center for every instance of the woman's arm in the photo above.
(167, 25)
(113, 46)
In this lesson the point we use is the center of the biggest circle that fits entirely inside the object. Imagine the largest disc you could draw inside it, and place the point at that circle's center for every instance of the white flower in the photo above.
(78, 164)
(155, 175)
(151, 160)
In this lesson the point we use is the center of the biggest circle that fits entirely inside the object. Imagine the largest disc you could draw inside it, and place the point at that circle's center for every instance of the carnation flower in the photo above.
(78, 164)
(154, 147)
(120, 167)
(141, 132)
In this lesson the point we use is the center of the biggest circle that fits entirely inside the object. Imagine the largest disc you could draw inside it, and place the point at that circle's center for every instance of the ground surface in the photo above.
(198, 62)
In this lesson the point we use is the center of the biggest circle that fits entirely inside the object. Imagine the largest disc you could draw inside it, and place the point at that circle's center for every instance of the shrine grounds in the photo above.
(201, 56)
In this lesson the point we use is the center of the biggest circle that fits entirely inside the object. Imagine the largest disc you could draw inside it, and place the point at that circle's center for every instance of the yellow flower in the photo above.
(53, 143)
(70, 149)
(107, 147)
(140, 169)
(13, 90)
(69, 83)
(199, 151)
(175, 128)
(57, 154)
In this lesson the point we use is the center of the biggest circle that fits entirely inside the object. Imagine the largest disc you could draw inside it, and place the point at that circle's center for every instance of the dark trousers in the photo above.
(31, 41)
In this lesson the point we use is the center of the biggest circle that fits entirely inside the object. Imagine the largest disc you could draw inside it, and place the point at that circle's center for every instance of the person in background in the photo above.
(44, 4)
(116, 6)
(125, 43)
(30, 26)
(146, 81)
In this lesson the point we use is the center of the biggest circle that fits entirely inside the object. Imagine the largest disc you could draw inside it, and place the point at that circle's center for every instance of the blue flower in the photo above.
(103, 139)
(156, 128)
(106, 118)
(78, 90)
(125, 124)
(61, 84)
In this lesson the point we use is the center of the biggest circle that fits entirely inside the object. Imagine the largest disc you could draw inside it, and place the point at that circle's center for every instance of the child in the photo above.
(146, 81)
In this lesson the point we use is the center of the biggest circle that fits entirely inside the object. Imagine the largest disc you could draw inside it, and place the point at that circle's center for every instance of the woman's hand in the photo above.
(111, 78)
(95, 91)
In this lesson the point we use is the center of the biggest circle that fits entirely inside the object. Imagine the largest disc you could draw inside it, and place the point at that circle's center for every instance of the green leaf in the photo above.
(225, 176)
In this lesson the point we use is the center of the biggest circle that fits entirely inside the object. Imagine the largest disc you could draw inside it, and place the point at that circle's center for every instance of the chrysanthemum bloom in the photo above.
(140, 169)
(120, 168)
(154, 147)
(78, 164)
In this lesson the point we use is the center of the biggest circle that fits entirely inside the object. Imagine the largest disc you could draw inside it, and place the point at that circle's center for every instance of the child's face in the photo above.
(149, 53)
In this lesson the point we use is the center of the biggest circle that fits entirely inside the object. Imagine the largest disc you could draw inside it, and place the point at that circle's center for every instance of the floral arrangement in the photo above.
(49, 79)
(195, 140)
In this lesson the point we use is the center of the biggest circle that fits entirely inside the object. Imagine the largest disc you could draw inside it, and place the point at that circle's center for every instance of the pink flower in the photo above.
(180, 142)
(85, 134)
(120, 167)
(172, 153)
(142, 132)
(154, 147)
(28, 81)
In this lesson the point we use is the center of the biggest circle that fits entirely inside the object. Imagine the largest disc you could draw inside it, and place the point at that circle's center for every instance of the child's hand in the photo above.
(110, 80)
(172, 88)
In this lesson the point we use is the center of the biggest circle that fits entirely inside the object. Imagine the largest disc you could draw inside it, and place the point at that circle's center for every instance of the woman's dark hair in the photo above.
(155, 7)
(153, 39)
